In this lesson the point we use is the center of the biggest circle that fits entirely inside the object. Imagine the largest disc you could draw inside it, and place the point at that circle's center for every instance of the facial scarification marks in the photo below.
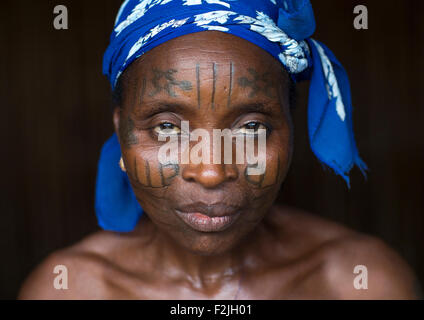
(154, 176)
(230, 87)
(168, 172)
(256, 180)
(147, 168)
(214, 74)
(165, 81)
(143, 90)
(126, 132)
(270, 177)
(258, 83)
(135, 169)
(198, 84)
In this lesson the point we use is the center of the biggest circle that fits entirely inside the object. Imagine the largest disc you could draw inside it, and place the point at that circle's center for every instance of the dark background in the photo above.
(55, 116)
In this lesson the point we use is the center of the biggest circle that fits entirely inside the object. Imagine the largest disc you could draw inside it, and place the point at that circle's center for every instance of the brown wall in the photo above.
(55, 117)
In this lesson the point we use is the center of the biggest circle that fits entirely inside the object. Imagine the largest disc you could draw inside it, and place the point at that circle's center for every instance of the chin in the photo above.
(211, 244)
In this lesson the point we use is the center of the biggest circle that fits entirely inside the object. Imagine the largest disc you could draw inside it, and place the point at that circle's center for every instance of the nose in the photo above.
(210, 175)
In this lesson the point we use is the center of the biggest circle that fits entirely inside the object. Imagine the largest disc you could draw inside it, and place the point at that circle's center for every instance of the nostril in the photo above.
(231, 172)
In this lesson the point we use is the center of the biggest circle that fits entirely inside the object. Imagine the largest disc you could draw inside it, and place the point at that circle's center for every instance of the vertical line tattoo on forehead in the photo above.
(230, 89)
(214, 67)
(198, 84)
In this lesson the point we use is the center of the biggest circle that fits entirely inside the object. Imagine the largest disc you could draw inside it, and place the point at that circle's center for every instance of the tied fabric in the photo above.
(281, 27)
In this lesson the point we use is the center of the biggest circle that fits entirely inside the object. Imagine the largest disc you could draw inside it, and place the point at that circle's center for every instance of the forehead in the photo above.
(188, 52)
(206, 70)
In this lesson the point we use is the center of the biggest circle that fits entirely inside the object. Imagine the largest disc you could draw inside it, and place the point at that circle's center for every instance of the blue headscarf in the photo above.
(281, 27)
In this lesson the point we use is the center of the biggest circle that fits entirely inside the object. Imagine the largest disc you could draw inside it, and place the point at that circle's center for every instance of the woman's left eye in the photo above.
(167, 128)
(252, 128)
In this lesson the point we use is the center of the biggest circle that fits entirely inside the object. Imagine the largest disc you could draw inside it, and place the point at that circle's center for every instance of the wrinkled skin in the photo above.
(216, 81)
(224, 184)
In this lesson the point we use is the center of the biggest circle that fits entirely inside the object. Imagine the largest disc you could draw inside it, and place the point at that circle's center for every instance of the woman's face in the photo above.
(212, 80)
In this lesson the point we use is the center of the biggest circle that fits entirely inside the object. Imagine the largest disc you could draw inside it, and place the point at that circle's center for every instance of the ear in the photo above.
(116, 119)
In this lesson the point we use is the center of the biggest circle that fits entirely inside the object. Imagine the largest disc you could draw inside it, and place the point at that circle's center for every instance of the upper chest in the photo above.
(300, 279)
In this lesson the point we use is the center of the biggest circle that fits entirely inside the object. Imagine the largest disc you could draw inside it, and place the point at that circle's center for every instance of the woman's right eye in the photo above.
(167, 128)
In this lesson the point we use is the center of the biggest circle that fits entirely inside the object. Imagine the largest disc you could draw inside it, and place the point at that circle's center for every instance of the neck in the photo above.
(176, 261)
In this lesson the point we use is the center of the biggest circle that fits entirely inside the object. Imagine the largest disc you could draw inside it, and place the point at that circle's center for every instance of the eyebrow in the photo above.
(163, 106)
(152, 109)
(256, 106)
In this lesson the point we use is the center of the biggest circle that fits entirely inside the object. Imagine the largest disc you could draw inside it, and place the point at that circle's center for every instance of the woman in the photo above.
(208, 229)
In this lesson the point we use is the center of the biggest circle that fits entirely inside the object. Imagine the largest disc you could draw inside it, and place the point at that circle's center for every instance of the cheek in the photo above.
(285, 152)
(145, 170)
(147, 174)
(278, 155)
(274, 172)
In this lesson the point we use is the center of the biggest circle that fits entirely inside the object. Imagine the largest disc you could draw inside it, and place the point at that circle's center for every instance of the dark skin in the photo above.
(216, 81)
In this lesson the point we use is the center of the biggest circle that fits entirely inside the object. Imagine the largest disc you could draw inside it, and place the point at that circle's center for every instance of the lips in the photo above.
(208, 218)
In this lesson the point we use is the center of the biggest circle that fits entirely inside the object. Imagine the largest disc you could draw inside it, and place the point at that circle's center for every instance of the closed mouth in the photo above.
(208, 218)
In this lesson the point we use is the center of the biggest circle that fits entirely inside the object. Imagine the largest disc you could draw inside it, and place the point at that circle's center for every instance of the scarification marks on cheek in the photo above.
(154, 174)
(169, 172)
(269, 178)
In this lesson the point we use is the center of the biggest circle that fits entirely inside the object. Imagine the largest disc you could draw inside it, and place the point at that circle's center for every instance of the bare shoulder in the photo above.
(347, 264)
(365, 267)
(295, 221)
(75, 272)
